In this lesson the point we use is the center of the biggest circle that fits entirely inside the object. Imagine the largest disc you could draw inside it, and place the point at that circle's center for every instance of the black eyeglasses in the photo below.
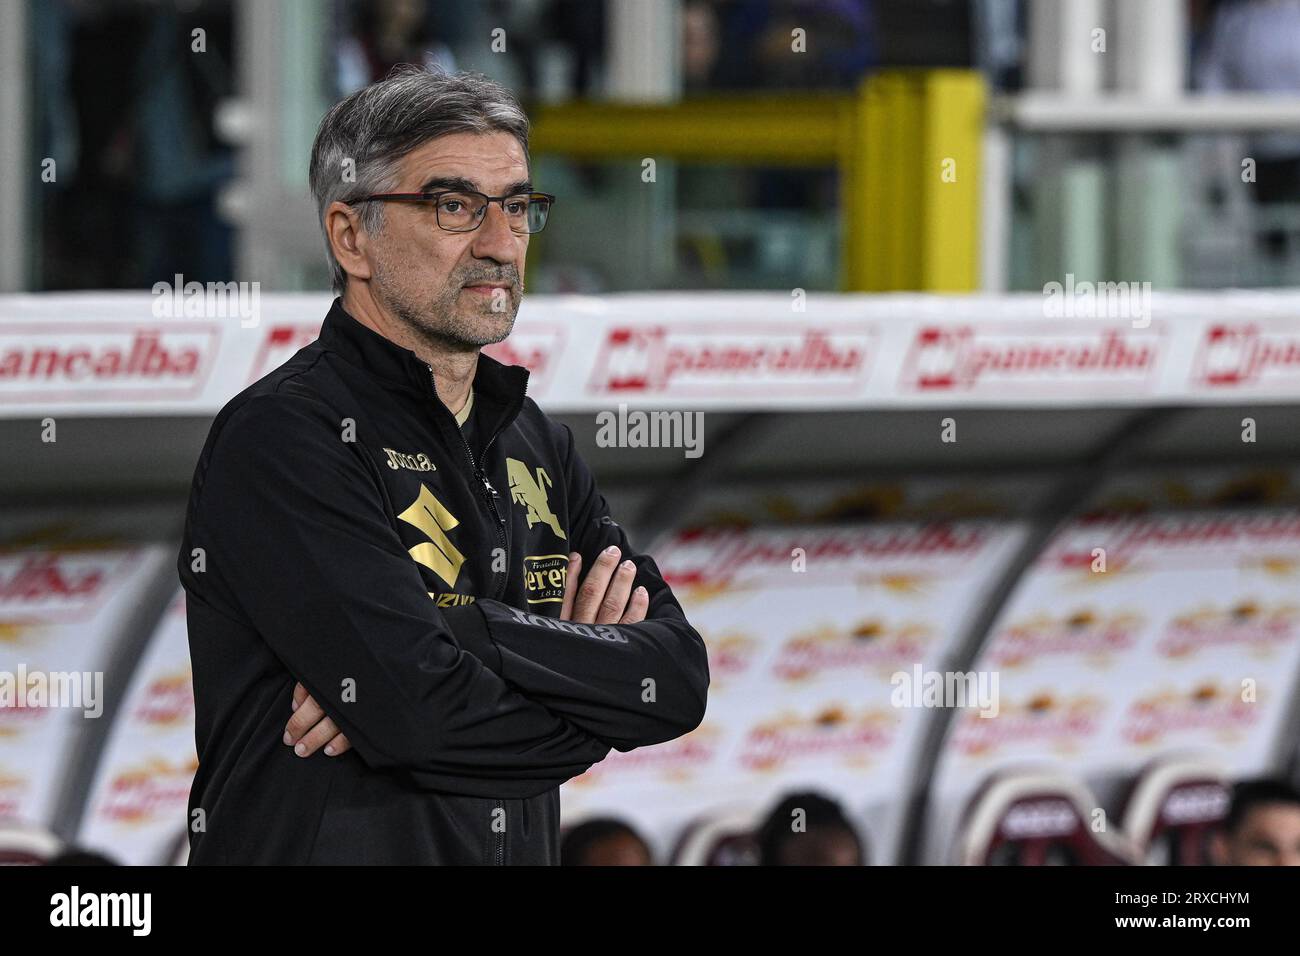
(464, 211)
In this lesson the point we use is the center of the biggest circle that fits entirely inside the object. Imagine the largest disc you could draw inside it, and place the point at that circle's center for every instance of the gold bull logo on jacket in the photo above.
(529, 490)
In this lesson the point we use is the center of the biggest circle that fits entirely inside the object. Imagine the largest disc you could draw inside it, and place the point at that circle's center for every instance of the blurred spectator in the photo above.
(839, 43)
(180, 165)
(1262, 827)
(84, 58)
(1013, 853)
(384, 34)
(998, 35)
(1253, 46)
(807, 829)
(604, 842)
(699, 45)
(128, 124)
(579, 26)
(754, 50)
(757, 43)
(472, 28)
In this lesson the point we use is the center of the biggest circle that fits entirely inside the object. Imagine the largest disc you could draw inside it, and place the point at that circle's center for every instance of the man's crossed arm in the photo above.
(605, 597)
(471, 699)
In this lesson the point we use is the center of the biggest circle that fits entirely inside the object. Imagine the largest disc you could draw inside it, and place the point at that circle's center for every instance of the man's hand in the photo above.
(309, 729)
(606, 596)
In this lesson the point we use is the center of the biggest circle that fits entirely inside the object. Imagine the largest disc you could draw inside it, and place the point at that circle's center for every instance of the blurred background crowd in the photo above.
(147, 155)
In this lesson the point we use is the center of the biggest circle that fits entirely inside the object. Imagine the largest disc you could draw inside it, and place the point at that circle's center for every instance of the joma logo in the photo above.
(418, 462)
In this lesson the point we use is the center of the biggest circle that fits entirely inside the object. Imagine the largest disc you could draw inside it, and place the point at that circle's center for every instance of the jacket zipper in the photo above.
(490, 494)
(501, 836)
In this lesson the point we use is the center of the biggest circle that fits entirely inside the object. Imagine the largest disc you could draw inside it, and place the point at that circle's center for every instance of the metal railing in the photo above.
(906, 144)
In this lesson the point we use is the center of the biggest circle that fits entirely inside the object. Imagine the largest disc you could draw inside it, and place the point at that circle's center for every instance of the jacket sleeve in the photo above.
(296, 536)
(629, 684)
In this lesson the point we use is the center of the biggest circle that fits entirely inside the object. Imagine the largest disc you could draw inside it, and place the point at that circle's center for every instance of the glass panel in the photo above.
(1191, 211)
(697, 226)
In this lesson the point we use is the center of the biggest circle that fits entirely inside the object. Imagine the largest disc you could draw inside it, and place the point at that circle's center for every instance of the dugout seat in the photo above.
(725, 838)
(24, 844)
(1173, 808)
(1038, 818)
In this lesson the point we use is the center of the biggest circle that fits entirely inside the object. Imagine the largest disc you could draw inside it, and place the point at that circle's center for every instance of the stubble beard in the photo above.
(455, 320)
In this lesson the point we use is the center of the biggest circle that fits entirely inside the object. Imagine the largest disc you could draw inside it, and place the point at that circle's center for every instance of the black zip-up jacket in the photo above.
(344, 532)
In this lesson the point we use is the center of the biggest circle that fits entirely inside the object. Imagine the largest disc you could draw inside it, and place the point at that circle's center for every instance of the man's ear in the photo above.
(348, 239)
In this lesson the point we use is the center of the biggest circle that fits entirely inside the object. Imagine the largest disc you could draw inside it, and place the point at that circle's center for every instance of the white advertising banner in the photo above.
(62, 610)
(1134, 638)
(136, 353)
(137, 807)
(806, 627)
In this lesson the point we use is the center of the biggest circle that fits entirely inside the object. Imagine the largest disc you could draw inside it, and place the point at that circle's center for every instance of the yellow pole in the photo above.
(907, 144)
(950, 159)
(910, 165)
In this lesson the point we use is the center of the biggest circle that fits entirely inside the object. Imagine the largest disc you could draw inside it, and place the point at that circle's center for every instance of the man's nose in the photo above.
(494, 239)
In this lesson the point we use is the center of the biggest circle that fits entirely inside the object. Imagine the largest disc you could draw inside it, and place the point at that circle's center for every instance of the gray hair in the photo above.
(378, 125)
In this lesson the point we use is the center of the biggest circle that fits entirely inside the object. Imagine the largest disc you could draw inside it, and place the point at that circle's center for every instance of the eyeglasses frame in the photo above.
(433, 196)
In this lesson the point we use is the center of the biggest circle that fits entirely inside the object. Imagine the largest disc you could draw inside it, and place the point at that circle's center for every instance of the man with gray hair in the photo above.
(394, 659)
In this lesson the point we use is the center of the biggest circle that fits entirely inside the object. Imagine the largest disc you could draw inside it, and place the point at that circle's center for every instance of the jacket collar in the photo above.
(502, 386)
